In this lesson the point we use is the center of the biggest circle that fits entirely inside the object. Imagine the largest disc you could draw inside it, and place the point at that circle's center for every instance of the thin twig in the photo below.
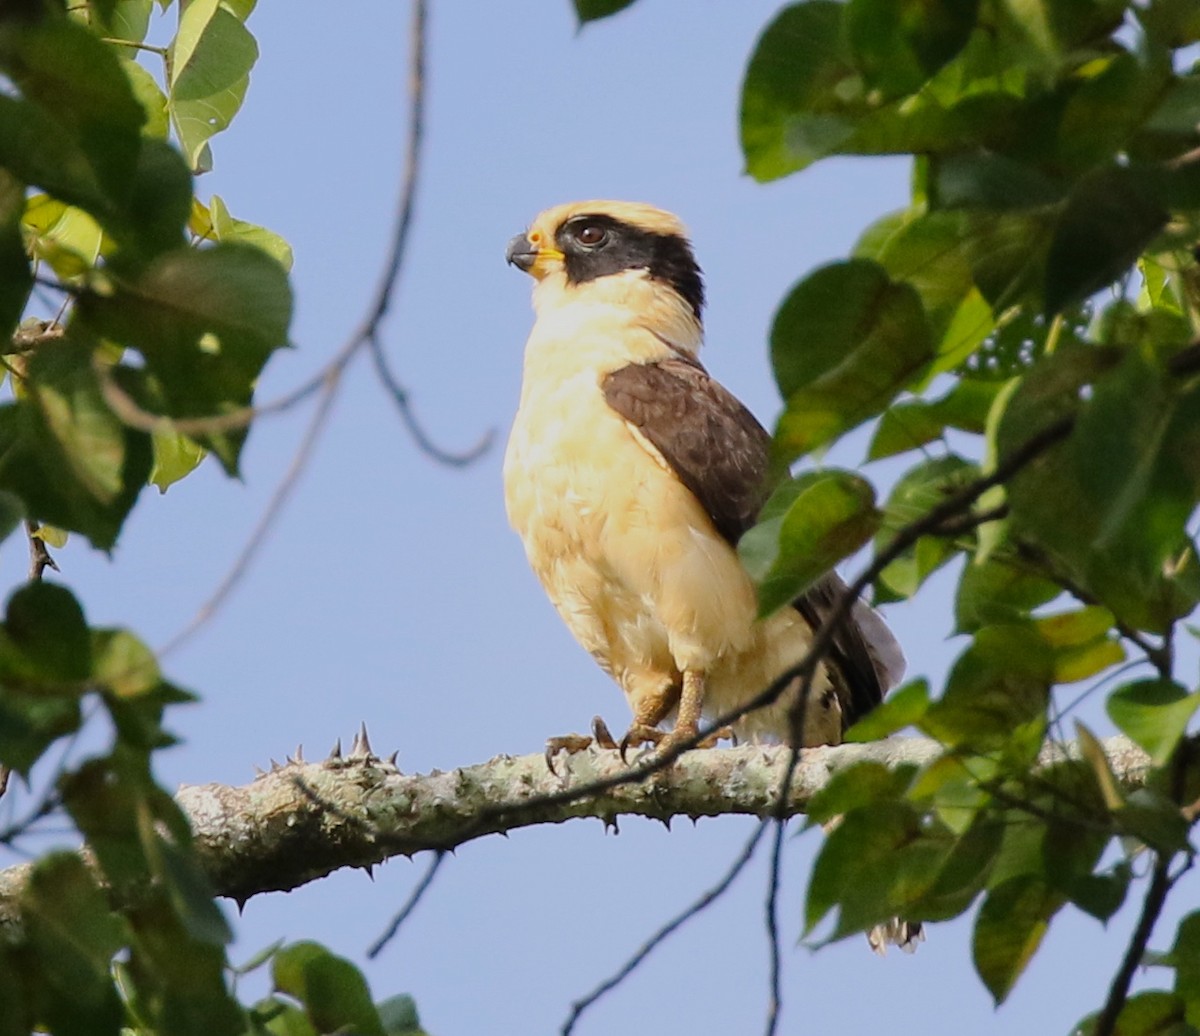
(411, 905)
(265, 523)
(678, 921)
(39, 555)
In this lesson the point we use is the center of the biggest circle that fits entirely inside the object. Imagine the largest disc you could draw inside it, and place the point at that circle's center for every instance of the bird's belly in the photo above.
(623, 549)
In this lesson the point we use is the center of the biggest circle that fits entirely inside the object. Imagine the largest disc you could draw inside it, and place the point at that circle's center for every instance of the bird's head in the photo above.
(595, 249)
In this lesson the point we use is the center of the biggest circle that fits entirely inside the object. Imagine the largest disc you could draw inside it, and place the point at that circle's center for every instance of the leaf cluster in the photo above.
(1043, 277)
(170, 309)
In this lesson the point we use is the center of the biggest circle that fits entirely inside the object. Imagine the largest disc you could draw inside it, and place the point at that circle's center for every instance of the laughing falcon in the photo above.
(630, 474)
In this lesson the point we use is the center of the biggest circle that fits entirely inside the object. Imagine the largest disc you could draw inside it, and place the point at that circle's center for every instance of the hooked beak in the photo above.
(521, 253)
(525, 255)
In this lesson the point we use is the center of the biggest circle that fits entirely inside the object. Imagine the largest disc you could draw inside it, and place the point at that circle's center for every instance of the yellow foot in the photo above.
(640, 734)
(572, 743)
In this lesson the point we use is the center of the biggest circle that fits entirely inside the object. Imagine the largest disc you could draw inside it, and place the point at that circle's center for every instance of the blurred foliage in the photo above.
(122, 292)
(1039, 300)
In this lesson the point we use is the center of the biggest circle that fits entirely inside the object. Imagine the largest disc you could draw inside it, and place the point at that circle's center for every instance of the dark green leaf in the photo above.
(30, 723)
(999, 591)
(1101, 895)
(844, 342)
(878, 860)
(206, 322)
(986, 180)
(332, 990)
(1153, 1013)
(592, 10)
(75, 937)
(899, 45)
(46, 638)
(1012, 921)
(857, 786)
(191, 894)
(1154, 713)
(1186, 954)
(1110, 216)
(796, 63)
(963, 873)
(997, 692)
(832, 513)
(59, 64)
(16, 277)
(907, 426)
(919, 490)
(1154, 819)
(902, 708)
(65, 454)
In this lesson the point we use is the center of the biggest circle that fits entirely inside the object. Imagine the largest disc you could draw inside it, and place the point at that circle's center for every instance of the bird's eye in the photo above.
(591, 235)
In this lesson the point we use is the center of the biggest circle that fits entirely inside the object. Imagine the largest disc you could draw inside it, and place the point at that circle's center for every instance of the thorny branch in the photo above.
(304, 820)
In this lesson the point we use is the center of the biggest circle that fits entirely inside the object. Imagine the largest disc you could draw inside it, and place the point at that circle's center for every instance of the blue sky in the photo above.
(392, 590)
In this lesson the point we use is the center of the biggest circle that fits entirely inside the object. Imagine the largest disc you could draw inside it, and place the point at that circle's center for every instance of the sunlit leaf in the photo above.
(1153, 713)
(226, 228)
(175, 457)
(909, 425)
(211, 58)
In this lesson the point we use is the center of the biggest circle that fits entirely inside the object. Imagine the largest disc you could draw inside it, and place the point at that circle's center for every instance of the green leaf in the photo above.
(65, 454)
(910, 425)
(206, 322)
(878, 860)
(59, 64)
(122, 664)
(190, 894)
(1101, 895)
(829, 515)
(16, 278)
(996, 693)
(930, 252)
(30, 723)
(150, 96)
(1011, 923)
(963, 873)
(799, 57)
(62, 235)
(999, 591)
(918, 491)
(858, 785)
(844, 342)
(211, 57)
(1152, 1013)
(75, 936)
(987, 180)
(46, 638)
(1155, 819)
(593, 10)
(1095, 757)
(1186, 956)
(1110, 216)
(1118, 530)
(332, 990)
(902, 708)
(898, 45)
(175, 457)
(1154, 714)
(399, 1016)
(226, 228)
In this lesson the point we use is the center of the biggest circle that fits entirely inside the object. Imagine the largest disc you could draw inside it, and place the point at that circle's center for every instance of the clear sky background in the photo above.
(392, 590)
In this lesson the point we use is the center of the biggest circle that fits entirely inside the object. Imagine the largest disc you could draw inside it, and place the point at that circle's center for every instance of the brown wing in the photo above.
(712, 443)
(722, 454)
